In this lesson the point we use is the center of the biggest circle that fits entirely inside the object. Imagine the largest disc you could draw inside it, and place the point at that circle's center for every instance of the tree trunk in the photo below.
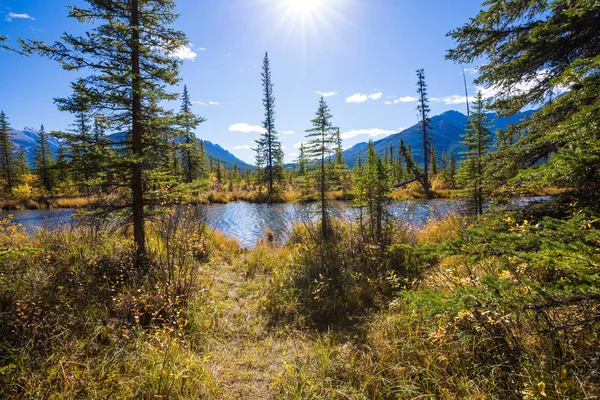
(323, 211)
(137, 188)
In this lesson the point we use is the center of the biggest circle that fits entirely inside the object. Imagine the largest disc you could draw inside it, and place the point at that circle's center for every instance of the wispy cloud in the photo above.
(361, 98)
(242, 147)
(326, 94)
(246, 128)
(206, 104)
(499, 90)
(11, 15)
(406, 99)
(368, 132)
(201, 48)
(287, 132)
(184, 53)
(471, 71)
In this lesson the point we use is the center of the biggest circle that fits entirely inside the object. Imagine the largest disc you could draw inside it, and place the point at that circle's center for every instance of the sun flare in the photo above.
(302, 7)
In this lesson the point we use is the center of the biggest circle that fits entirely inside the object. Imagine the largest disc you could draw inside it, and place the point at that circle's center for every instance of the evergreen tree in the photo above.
(302, 161)
(434, 164)
(219, 172)
(322, 140)
(425, 127)
(6, 152)
(21, 166)
(191, 153)
(127, 51)
(202, 158)
(477, 138)
(268, 145)
(372, 195)
(535, 51)
(452, 168)
(44, 160)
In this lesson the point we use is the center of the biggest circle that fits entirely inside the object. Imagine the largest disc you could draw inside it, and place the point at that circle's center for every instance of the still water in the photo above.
(247, 222)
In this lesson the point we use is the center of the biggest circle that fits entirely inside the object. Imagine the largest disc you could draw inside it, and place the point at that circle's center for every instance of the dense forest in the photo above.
(141, 299)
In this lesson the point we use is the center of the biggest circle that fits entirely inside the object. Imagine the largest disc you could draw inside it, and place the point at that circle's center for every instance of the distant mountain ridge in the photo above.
(28, 139)
(446, 131)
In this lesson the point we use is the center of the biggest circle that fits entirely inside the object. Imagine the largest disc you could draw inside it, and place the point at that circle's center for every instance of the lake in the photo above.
(247, 222)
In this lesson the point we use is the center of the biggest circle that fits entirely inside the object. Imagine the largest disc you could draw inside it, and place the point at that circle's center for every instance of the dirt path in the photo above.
(245, 356)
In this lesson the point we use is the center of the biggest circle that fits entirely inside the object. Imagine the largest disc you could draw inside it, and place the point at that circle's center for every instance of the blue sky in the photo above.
(361, 53)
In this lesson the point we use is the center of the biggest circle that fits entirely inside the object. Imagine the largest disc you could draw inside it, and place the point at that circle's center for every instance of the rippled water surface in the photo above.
(247, 222)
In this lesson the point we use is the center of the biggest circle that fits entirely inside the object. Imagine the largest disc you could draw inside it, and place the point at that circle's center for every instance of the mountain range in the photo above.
(28, 139)
(446, 131)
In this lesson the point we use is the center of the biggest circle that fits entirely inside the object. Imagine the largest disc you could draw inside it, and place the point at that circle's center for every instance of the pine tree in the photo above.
(191, 154)
(268, 145)
(424, 126)
(21, 166)
(6, 152)
(434, 164)
(372, 195)
(127, 51)
(452, 169)
(477, 139)
(535, 51)
(322, 141)
(44, 160)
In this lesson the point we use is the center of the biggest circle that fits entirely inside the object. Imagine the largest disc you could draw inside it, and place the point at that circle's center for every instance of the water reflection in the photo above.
(247, 222)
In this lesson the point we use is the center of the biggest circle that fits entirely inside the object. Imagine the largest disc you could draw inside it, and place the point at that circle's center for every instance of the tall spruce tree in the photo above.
(7, 158)
(127, 51)
(322, 140)
(191, 153)
(536, 50)
(477, 139)
(268, 145)
(44, 160)
(424, 126)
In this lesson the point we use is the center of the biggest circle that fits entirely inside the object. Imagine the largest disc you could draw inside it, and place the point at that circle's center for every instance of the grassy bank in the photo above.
(44, 203)
(504, 307)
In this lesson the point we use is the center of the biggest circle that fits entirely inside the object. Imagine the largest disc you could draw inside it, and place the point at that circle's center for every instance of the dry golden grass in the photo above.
(441, 230)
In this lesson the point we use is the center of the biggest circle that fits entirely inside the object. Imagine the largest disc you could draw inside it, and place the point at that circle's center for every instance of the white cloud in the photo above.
(471, 71)
(287, 132)
(406, 99)
(228, 54)
(184, 53)
(10, 16)
(327, 94)
(298, 145)
(246, 128)
(242, 147)
(357, 98)
(456, 99)
(361, 98)
(499, 90)
(201, 48)
(205, 104)
(369, 132)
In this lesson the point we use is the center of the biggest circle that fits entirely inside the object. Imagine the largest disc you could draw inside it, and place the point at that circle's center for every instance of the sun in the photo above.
(303, 8)
(304, 22)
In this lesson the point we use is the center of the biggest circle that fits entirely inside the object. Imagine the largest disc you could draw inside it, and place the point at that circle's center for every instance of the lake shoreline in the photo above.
(252, 197)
